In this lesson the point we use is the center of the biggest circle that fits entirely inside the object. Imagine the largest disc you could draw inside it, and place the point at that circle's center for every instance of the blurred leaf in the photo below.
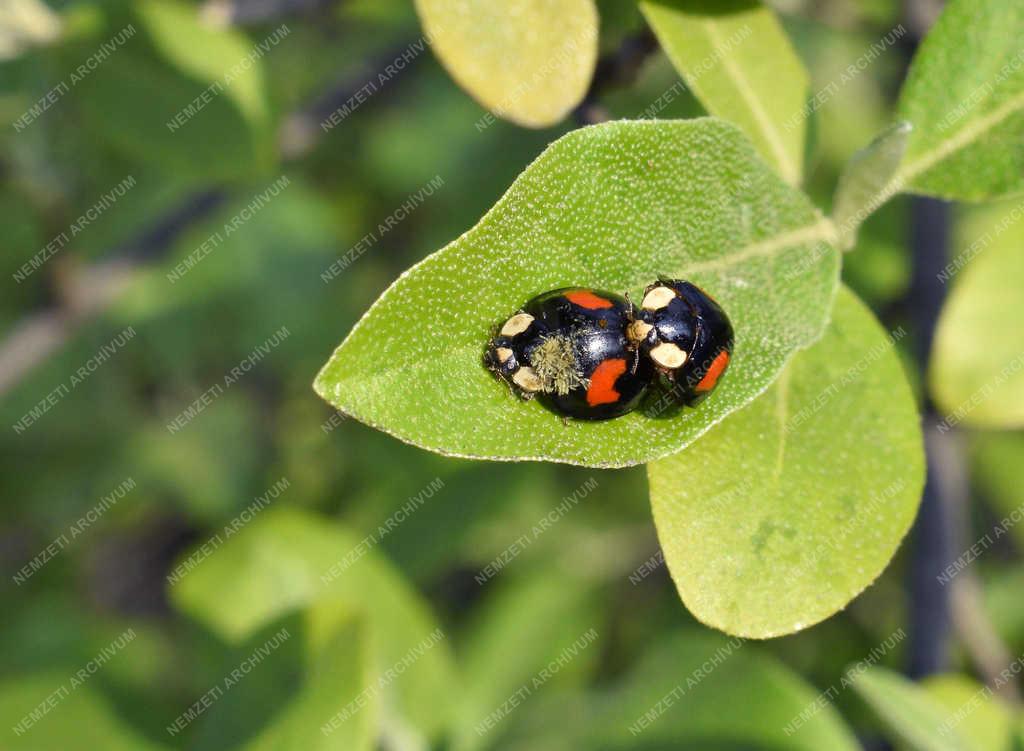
(697, 690)
(199, 110)
(206, 52)
(24, 23)
(983, 720)
(76, 717)
(976, 373)
(524, 628)
(910, 714)
(862, 185)
(737, 60)
(209, 474)
(251, 707)
(338, 681)
(610, 206)
(528, 61)
(284, 560)
(964, 95)
(775, 537)
(1002, 588)
(879, 272)
(996, 458)
(844, 111)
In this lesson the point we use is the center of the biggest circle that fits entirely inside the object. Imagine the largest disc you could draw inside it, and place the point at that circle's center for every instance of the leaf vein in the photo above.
(963, 137)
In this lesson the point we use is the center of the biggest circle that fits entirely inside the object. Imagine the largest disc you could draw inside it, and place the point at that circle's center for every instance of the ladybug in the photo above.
(685, 334)
(569, 348)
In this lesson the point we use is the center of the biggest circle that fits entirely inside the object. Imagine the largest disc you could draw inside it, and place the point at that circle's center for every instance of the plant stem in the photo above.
(930, 614)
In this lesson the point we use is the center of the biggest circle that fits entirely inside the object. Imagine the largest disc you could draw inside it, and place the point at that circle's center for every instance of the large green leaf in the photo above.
(977, 364)
(284, 560)
(964, 95)
(912, 716)
(737, 60)
(697, 690)
(801, 498)
(611, 206)
(529, 61)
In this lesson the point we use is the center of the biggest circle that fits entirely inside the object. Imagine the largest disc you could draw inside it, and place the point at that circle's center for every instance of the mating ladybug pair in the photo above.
(592, 355)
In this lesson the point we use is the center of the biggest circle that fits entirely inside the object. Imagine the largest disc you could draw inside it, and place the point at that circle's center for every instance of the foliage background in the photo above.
(344, 479)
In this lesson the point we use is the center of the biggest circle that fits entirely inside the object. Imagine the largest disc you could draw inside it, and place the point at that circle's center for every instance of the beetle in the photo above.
(568, 347)
(686, 335)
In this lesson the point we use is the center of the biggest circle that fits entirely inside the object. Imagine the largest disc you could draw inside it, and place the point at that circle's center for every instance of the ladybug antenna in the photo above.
(630, 308)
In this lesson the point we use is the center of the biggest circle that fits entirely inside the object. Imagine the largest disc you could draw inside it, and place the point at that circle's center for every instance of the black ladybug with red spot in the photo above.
(687, 336)
(592, 355)
(568, 347)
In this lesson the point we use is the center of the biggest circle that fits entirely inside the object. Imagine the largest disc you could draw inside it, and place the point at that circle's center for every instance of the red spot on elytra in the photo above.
(710, 378)
(602, 382)
(587, 299)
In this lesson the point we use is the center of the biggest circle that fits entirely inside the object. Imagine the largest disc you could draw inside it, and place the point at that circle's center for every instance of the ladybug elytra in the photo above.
(687, 336)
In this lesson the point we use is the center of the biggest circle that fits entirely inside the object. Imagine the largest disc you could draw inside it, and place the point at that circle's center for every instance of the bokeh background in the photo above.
(591, 569)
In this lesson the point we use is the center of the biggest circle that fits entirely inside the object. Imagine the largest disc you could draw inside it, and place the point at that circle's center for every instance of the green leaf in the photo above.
(208, 53)
(74, 717)
(338, 683)
(995, 458)
(976, 372)
(528, 61)
(283, 560)
(964, 95)
(982, 720)
(698, 690)
(803, 496)
(737, 60)
(185, 97)
(864, 183)
(912, 716)
(612, 207)
(532, 621)
(301, 695)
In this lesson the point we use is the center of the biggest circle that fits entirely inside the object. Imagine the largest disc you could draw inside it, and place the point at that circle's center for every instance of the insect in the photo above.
(568, 348)
(686, 335)
(592, 355)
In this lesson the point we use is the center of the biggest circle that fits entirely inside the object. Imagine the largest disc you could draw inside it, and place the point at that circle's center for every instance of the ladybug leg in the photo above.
(636, 361)
(565, 420)
(514, 391)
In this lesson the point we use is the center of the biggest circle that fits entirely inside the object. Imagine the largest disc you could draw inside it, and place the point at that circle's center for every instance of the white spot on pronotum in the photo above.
(668, 355)
(503, 354)
(517, 324)
(638, 330)
(658, 298)
(526, 378)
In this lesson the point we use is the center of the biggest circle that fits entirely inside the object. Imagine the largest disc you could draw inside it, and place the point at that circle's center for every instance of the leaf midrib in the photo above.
(963, 137)
(787, 165)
